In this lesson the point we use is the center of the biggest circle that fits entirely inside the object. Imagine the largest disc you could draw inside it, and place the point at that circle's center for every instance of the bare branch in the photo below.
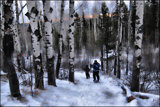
(22, 9)
(78, 8)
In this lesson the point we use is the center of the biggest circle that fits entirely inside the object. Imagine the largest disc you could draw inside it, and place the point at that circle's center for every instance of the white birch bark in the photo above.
(34, 26)
(2, 18)
(36, 37)
(16, 38)
(71, 40)
(61, 28)
(48, 16)
(138, 44)
(139, 32)
(2, 32)
(16, 30)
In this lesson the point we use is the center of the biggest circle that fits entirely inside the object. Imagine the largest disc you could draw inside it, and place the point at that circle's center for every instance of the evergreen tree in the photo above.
(106, 39)
(151, 29)
(100, 39)
(91, 36)
(84, 32)
(125, 23)
(106, 30)
(125, 37)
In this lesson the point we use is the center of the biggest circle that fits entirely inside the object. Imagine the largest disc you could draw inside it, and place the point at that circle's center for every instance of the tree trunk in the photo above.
(120, 27)
(119, 39)
(2, 32)
(102, 64)
(102, 68)
(119, 66)
(71, 40)
(107, 40)
(22, 33)
(154, 10)
(107, 67)
(48, 11)
(157, 29)
(138, 45)
(60, 40)
(127, 60)
(129, 33)
(116, 51)
(115, 65)
(1, 57)
(8, 48)
(34, 29)
(95, 27)
(156, 24)
(25, 49)
(17, 39)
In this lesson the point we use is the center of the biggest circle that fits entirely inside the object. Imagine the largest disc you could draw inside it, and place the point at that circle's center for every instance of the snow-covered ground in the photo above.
(84, 93)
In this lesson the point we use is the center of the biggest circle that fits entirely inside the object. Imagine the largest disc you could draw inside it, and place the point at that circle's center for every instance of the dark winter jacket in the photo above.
(87, 69)
(96, 67)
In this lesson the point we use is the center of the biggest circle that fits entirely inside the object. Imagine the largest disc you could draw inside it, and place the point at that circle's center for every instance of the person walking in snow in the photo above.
(96, 67)
(87, 72)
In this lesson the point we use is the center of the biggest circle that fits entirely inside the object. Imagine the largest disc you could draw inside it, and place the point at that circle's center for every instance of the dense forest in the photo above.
(50, 43)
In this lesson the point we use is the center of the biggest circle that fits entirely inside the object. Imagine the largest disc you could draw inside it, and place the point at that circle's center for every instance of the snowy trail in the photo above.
(84, 93)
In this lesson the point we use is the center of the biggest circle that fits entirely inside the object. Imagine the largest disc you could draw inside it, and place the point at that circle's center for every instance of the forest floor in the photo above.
(83, 93)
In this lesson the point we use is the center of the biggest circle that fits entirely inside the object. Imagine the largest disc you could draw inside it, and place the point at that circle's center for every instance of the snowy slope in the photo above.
(84, 93)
